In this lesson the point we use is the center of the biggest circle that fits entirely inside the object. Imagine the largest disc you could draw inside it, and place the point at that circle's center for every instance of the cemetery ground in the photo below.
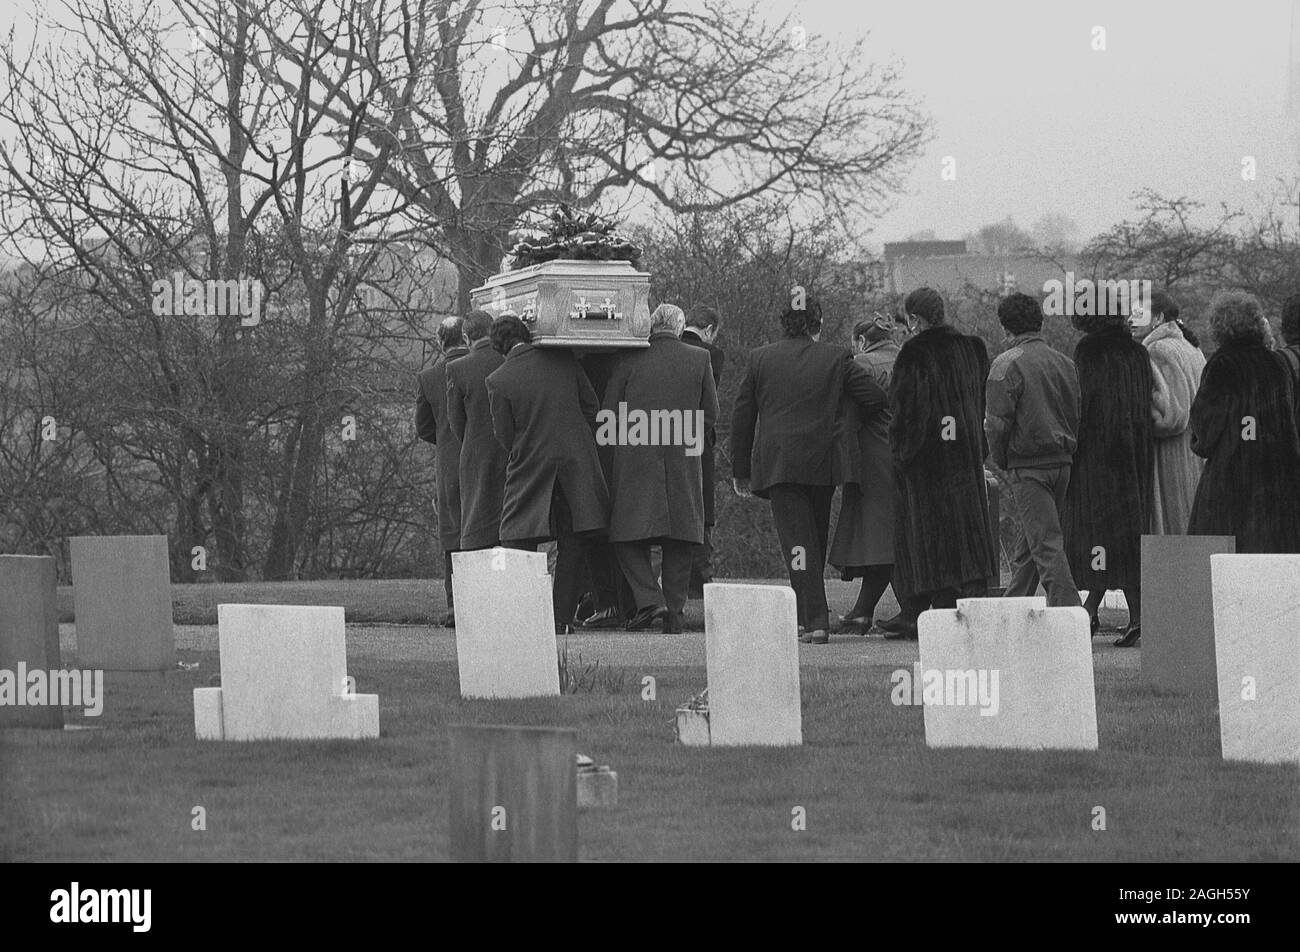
(870, 789)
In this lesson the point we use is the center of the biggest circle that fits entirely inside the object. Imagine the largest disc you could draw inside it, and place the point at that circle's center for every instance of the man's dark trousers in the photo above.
(913, 605)
(634, 559)
(570, 554)
(446, 578)
(1039, 550)
(802, 514)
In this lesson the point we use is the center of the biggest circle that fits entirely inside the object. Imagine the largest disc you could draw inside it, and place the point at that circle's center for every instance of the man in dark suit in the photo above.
(544, 415)
(482, 459)
(702, 326)
(433, 426)
(609, 602)
(789, 447)
(658, 499)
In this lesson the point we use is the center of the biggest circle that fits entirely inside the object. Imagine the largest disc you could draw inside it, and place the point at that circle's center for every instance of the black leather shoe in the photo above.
(449, 620)
(586, 608)
(605, 618)
(903, 634)
(672, 623)
(897, 624)
(1131, 638)
(645, 619)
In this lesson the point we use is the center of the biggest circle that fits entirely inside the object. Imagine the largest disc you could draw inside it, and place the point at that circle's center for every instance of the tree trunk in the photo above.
(295, 503)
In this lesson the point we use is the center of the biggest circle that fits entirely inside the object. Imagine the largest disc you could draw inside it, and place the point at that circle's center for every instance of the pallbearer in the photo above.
(657, 489)
(544, 415)
(482, 458)
(433, 426)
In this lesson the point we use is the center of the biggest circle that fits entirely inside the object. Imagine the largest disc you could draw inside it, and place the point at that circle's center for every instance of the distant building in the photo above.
(948, 267)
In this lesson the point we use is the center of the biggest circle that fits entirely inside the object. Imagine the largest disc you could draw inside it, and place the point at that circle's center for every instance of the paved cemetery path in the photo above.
(633, 650)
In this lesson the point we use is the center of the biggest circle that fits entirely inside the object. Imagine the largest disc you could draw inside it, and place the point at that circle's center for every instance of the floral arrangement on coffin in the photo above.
(573, 237)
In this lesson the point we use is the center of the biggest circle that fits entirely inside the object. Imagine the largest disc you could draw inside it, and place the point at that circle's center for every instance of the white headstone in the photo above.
(121, 592)
(1007, 672)
(752, 652)
(284, 676)
(1257, 654)
(505, 624)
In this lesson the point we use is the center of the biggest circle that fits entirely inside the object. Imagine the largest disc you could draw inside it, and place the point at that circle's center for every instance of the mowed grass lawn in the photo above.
(870, 788)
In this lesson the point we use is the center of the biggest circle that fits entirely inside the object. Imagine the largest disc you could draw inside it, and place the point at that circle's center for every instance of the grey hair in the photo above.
(1236, 315)
(668, 317)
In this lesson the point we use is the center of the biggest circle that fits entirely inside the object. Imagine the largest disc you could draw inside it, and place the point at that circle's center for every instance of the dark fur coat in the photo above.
(942, 534)
(1250, 487)
(1110, 496)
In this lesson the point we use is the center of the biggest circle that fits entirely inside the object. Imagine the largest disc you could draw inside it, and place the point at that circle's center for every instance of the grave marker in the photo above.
(121, 589)
(505, 624)
(29, 633)
(1007, 672)
(753, 665)
(513, 794)
(1178, 612)
(283, 677)
(1257, 655)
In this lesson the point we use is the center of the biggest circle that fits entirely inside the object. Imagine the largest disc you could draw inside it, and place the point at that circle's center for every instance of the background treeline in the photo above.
(141, 408)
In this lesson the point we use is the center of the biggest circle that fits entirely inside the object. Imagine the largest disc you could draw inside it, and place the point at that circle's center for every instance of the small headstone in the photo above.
(752, 655)
(597, 785)
(513, 794)
(505, 624)
(29, 635)
(284, 676)
(1006, 672)
(121, 589)
(1178, 612)
(1257, 655)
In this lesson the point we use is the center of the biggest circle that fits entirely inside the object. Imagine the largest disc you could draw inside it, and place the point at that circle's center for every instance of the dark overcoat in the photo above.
(1250, 488)
(785, 428)
(658, 491)
(1109, 503)
(942, 534)
(864, 532)
(717, 359)
(544, 414)
(482, 459)
(433, 425)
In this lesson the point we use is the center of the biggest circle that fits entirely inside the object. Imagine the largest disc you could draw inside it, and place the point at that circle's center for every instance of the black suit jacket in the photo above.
(433, 425)
(482, 460)
(786, 427)
(544, 414)
(716, 361)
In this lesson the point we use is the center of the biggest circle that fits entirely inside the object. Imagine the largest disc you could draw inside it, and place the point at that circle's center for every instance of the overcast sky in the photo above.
(1038, 122)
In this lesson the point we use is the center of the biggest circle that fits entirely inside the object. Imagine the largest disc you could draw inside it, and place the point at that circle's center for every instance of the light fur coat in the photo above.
(1176, 370)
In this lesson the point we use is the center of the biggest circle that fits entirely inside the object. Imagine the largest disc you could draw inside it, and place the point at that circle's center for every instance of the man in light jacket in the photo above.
(1031, 421)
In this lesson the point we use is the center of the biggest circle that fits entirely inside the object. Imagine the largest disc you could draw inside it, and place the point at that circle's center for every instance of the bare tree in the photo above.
(150, 140)
(701, 104)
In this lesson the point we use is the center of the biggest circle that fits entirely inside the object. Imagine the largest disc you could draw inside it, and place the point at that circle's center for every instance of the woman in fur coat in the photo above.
(943, 539)
(1243, 424)
(1108, 505)
(1176, 364)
